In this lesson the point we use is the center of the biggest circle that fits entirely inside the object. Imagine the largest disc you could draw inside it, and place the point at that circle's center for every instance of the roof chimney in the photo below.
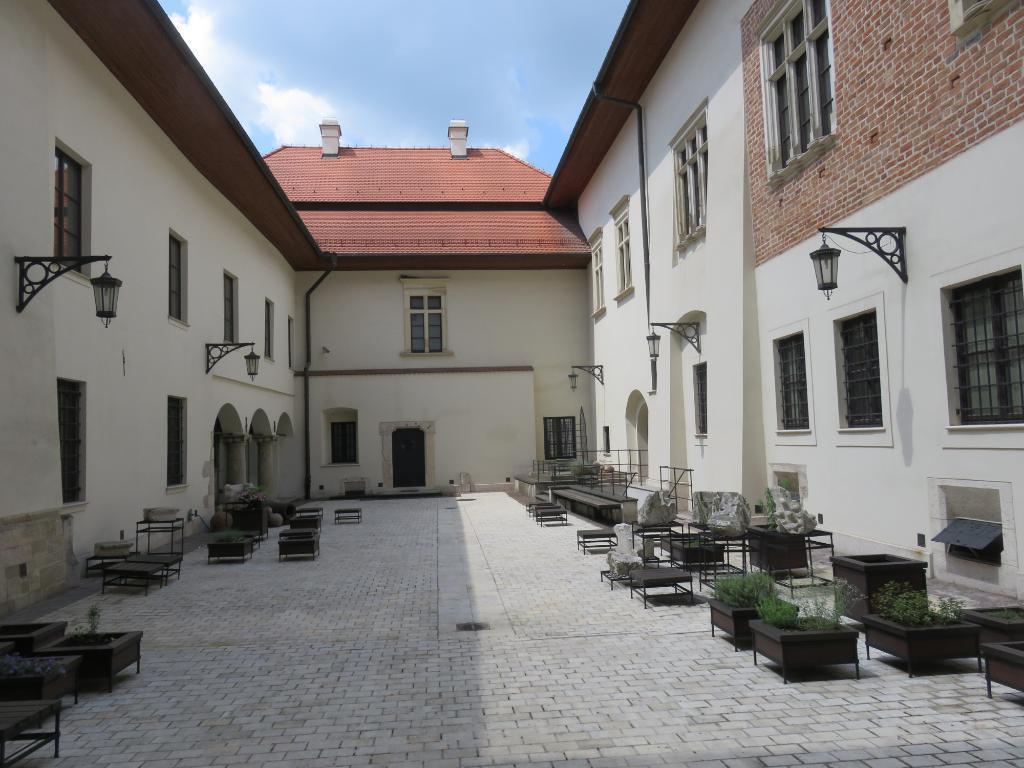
(458, 131)
(330, 134)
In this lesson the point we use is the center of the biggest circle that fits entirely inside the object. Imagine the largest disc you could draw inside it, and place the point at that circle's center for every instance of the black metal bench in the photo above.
(350, 515)
(550, 514)
(16, 717)
(132, 574)
(679, 580)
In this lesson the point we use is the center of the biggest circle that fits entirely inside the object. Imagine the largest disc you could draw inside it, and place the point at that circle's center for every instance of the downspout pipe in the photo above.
(305, 375)
(642, 162)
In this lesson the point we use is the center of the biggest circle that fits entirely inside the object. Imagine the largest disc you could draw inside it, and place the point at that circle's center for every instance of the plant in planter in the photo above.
(998, 625)
(29, 637)
(780, 545)
(735, 603)
(807, 635)
(869, 573)
(909, 626)
(230, 545)
(40, 677)
(104, 654)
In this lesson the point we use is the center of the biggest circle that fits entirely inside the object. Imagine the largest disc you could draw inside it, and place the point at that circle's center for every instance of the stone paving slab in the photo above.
(354, 660)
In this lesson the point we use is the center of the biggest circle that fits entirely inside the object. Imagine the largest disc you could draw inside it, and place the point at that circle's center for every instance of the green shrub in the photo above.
(899, 602)
(825, 609)
(744, 591)
(772, 523)
(779, 613)
(1008, 614)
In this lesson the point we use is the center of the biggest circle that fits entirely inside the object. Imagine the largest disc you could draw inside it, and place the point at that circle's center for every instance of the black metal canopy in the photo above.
(973, 534)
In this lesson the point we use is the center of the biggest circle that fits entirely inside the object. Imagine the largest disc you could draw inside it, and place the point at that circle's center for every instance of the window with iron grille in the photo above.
(343, 442)
(426, 323)
(559, 437)
(691, 161)
(988, 319)
(230, 294)
(67, 207)
(69, 427)
(607, 439)
(291, 325)
(700, 396)
(861, 372)
(268, 329)
(792, 382)
(175, 441)
(175, 282)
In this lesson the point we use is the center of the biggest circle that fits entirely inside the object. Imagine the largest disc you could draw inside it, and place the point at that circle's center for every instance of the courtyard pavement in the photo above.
(354, 659)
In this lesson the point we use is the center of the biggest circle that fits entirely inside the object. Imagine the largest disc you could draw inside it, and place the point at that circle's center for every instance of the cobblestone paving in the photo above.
(354, 660)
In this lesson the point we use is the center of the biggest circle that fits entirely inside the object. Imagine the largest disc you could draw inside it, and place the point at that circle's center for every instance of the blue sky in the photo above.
(394, 72)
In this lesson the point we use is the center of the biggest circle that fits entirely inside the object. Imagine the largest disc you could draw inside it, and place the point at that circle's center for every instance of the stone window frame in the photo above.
(771, 372)
(80, 391)
(597, 270)
(175, 239)
(230, 311)
(335, 415)
(969, 16)
(623, 252)
(425, 287)
(690, 161)
(777, 23)
(700, 399)
(182, 440)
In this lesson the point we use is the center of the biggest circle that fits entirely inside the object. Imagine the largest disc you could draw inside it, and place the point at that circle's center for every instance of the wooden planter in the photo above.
(298, 544)
(1004, 663)
(799, 649)
(30, 637)
(731, 620)
(104, 660)
(775, 550)
(688, 552)
(250, 518)
(995, 629)
(37, 687)
(304, 523)
(869, 573)
(921, 644)
(226, 549)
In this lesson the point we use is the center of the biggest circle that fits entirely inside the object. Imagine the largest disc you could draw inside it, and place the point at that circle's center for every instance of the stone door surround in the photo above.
(387, 428)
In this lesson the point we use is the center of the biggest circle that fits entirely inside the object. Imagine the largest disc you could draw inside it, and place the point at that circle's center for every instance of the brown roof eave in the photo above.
(352, 262)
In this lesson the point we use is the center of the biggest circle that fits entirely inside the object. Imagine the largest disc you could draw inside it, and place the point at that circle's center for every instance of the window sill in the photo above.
(691, 239)
(72, 505)
(793, 432)
(600, 312)
(860, 430)
(445, 353)
(624, 294)
(176, 323)
(797, 164)
(1001, 427)
(170, 489)
(329, 466)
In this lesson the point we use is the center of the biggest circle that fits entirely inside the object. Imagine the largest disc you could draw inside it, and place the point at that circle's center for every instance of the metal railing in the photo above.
(678, 483)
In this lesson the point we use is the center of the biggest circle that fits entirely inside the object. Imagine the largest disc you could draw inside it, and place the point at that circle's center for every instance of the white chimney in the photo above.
(330, 134)
(458, 132)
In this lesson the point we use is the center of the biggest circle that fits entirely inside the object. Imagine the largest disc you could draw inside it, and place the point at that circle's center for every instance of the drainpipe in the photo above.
(305, 373)
(642, 161)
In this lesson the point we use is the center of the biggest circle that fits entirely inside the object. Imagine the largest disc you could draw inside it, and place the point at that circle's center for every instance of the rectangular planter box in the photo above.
(6, 648)
(101, 661)
(38, 687)
(250, 518)
(304, 523)
(869, 573)
(1004, 664)
(922, 644)
(229, 550)
(774, 551)
(687, 552)
(30, 637)
(298, 544)
(995, 629)
(733, 621)
(797, 649)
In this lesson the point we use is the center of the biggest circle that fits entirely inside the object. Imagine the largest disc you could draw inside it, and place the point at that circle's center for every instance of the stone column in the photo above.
(236, 458)
(265, 463)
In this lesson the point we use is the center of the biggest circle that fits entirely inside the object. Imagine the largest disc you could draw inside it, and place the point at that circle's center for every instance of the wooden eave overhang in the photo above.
(349, 262)
(138, 43)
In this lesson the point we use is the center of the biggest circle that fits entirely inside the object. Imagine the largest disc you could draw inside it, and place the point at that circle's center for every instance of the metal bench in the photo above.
(350, 515)
(16, 717)
(132, 574)
(549, 514)
(680, 581)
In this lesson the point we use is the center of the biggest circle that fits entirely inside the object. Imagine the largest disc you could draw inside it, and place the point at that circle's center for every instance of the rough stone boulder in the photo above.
(623, 558)
(657, 509)
(731, 517)
(790, 515)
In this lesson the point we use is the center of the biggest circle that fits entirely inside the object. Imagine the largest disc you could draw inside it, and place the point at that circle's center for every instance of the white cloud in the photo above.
(520, 149)
(292, 114)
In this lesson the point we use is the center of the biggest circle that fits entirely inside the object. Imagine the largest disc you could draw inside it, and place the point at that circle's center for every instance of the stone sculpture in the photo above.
(657, 509)
(731, 516)
(623, 558)
(790, 515)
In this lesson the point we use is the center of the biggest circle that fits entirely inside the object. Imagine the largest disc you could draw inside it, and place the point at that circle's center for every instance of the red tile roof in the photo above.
(399, 175)
(467, 232)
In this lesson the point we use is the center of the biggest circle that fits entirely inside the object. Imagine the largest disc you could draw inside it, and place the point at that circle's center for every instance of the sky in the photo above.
(394, 72)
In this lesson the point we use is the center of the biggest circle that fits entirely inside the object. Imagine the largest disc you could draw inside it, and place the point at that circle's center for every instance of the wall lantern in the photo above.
(34, 274)
(597, 371)
(653, 345)
(689, 331)
(888, 243)
(214, 353)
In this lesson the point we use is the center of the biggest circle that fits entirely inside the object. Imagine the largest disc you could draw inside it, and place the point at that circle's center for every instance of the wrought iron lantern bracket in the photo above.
(215, 352)
(689, 331)
(597, 371)
(888, 243)
(53, 267)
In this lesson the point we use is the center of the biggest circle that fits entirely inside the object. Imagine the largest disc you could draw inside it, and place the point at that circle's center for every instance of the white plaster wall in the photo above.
(873, 487)
(711, 281)
(141, 188)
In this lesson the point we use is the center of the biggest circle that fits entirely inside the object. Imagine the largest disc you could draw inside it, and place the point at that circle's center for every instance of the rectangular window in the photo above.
(67, 207)
(230, 294)
(691, 163)
(799, 106)
(792, 382)
(175, 441)
(607, 439)
(268, 329)
(861, 373)
(988, 319)
(559, 437)
(291, 326)
(343, 442)
(597, 259)
(622, 250)
(175, 281)
(69, 427)
(426, 323)
(700, 395)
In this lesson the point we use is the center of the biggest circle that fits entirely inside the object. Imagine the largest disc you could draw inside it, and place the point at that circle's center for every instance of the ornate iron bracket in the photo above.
(888, 243)
(214, 352)
(689, 331)
(597, 371)
(53, 267)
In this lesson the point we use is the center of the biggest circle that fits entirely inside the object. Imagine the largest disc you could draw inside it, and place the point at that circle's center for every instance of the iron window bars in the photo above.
(559, 437)
(175, 441)
(229, 309)
(988, 319)
(343, 442)
(69, 427)
(861, 372)
(793, 382)
(174, 303)
(700, 395)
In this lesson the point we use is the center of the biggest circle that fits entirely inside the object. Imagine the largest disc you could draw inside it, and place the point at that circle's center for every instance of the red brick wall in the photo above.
(907, 99)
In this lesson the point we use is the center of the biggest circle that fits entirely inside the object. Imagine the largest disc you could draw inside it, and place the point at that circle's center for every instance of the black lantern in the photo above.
(573, 379)
(653, 343)
(252, 364)
(826, 267)
(105, 289)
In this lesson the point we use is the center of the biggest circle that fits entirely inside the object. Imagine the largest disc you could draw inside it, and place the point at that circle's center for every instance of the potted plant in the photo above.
(34, 678)
(1004, 663)
(230, 545)
(809, 635)
(780, 547)
(29, 637)
(907, 625)
(869, 573)
(735, 603)
(998, 625)
(104, 654)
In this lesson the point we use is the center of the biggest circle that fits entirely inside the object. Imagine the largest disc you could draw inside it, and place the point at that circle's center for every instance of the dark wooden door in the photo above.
(408, 458)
